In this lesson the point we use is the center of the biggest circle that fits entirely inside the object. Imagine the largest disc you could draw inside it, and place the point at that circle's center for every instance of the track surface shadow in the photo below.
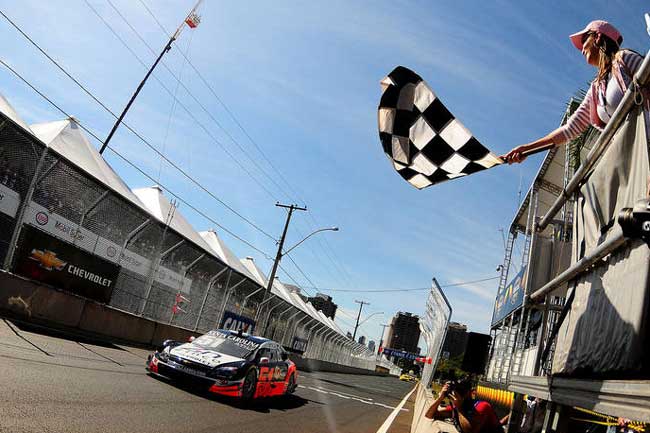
(263, 405)
(51, 332)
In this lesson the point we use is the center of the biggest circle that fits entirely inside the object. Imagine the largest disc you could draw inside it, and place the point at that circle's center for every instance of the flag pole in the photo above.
(189, 18)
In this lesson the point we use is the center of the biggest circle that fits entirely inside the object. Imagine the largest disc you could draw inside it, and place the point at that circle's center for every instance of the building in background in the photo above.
(324, 303)
(404, 332)
(362, 339)
(371, 346)
(455, 341)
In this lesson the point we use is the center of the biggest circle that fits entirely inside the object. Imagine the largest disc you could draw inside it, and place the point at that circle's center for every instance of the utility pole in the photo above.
(381, 338)
(279, 254)
(192, 20)
(361, 304)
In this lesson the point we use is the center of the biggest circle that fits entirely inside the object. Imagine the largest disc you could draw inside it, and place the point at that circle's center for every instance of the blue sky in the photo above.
(303, 80)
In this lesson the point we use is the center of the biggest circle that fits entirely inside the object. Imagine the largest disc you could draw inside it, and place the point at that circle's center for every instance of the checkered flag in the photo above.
(425, 142)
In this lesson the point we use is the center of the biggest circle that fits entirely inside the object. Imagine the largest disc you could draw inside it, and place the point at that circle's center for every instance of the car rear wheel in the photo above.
(291, 386)
(249, 385)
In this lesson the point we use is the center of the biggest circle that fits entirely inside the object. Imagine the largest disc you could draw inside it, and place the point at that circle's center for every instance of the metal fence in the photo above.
(434, 328)
(145, 266)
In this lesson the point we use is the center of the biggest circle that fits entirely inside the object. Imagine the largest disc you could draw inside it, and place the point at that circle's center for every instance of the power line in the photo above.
(341, 269)
(230, 113)
(464, 283)
(138, 135)
(92, 134)
(183, 106)
(178, 80)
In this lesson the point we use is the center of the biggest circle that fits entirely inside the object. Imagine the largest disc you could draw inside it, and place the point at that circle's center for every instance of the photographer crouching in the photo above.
(469, 415)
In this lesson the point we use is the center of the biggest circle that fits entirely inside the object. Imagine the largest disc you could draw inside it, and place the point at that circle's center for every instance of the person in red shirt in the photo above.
(469, 415)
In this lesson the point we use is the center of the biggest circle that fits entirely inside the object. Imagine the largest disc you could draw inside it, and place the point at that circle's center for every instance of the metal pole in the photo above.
(313, 347)
(225, 300)
(278, 255)
(598, 253)
(211, 283)
(295, 328)
(361, 304)
(155, 262)
(289, 325)
(280, 318)
(20, 216)
(168, 47)
(243, 305)
(267, 320)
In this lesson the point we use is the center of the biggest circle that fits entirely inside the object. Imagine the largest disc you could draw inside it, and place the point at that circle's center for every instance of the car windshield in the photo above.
(227, 344)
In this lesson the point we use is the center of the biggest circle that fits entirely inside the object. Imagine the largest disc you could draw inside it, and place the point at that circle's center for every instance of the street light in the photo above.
(281, 254)
(327, 229)
(366, 319)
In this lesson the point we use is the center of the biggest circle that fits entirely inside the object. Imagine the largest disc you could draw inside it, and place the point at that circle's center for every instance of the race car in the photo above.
(228, 363)
(407, 377)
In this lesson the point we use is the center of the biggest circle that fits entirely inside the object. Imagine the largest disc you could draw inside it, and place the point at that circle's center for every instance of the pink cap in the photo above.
(598, 26)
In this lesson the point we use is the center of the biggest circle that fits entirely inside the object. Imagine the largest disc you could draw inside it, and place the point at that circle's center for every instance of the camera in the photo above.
(635, 221)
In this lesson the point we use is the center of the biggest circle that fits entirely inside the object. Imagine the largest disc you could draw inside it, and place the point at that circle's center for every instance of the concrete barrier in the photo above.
(48, 306)
(308, 364)
(164, 332)
(30, 300)
(103, 320)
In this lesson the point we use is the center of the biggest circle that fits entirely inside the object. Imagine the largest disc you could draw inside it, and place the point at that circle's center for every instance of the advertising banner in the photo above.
(235, 322)
(55, 224)
(52, 261)
(510, 297)
(399, 354)
(299, 345)
(9, 201)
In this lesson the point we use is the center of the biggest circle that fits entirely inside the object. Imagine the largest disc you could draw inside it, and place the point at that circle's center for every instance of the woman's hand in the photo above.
(444, 391)
(516, 154)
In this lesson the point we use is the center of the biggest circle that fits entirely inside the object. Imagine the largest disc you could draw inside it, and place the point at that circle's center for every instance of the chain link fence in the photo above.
(71, 230)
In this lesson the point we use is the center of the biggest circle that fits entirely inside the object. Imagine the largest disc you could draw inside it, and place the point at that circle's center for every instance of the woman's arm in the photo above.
(577, 123)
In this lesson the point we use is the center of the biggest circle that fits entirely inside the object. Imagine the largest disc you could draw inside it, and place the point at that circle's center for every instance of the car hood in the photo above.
(207, 357)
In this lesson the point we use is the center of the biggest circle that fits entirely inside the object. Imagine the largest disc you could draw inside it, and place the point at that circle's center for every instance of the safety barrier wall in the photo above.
(135, 262)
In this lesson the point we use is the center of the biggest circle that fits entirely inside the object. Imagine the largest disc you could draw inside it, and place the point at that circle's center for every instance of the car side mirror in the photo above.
(264, 360)
(285, 356)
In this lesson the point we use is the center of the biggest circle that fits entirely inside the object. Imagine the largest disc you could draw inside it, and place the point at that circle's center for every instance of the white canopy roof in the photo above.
(160, 208)
(8, 110)
(68, 139)
(221, 250)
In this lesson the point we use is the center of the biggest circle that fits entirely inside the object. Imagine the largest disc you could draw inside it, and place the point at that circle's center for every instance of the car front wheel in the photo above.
(250, 385)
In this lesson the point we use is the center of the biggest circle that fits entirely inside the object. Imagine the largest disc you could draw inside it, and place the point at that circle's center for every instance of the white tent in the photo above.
(221, 250)
(8, 110)
(68, 139)
(161, 208)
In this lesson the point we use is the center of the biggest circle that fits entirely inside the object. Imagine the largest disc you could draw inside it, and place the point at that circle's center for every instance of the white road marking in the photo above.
(347, 396)
(389, 421)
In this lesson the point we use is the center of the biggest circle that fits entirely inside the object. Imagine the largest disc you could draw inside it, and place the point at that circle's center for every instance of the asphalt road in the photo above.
(52, 384)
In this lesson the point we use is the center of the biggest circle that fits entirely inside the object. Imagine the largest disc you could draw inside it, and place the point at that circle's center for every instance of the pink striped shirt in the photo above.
(580, 119)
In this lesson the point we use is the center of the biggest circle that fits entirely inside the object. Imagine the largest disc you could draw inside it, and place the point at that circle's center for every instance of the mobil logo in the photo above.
(41, 218)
